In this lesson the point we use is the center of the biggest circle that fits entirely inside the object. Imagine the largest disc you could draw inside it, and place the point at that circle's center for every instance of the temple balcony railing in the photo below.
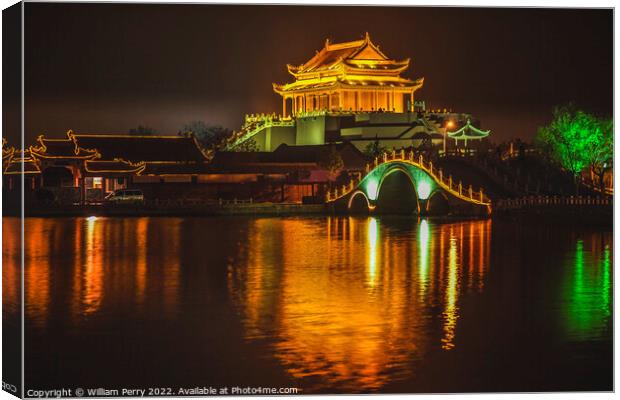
(253, 126)
(251, 119)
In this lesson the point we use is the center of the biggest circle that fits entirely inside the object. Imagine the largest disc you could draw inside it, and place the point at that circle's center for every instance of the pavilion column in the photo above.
(283, 106)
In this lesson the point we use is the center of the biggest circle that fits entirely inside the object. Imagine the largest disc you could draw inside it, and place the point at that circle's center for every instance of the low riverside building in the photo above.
(83, 168)
(351, 92)
(289, 174)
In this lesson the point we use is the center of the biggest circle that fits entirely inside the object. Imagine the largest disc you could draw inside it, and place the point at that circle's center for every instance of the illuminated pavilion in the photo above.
(350, 76)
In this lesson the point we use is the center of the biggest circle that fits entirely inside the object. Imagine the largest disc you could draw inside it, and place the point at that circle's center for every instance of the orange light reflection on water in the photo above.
(350, 303)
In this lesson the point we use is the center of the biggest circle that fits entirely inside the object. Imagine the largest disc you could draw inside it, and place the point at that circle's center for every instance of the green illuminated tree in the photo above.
(209, 136)
(573, 140)
(600, 150)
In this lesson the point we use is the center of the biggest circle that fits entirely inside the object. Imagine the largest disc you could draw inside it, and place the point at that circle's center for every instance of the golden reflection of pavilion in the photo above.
(110, 265)
(39, 236)
(92, 282)
(11, 261)
(338, 319)
(450, 313)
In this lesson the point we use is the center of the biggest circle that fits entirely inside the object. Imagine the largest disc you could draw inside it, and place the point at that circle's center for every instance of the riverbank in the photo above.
(266, 209)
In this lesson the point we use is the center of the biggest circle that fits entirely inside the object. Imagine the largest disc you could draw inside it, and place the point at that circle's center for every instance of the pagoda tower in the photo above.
(343, 77)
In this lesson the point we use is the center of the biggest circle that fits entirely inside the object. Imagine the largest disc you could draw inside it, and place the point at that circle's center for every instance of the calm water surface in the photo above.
(329, 304)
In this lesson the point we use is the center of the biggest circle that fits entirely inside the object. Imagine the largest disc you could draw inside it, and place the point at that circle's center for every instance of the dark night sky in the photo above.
(110, 67)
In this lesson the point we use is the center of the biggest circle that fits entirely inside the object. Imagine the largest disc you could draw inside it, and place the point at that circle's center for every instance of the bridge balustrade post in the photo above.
(421, 160)
(376, 161)
(402, 154)
(450, 182)
(384, 157)
(367, 167)
(393, 154)
(481, 200)
(440, 175)
(430, 167)
(410, 155)
(460, 188)
(470, 191)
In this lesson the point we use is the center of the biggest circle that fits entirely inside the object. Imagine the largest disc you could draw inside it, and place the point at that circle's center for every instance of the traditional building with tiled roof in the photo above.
(83, 167)
(350, 76)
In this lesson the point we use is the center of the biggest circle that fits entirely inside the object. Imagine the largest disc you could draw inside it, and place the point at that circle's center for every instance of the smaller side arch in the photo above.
(359, 203)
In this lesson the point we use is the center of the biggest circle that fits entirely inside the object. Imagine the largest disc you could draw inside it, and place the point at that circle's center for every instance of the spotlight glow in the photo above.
(371, 189)
(424, 190)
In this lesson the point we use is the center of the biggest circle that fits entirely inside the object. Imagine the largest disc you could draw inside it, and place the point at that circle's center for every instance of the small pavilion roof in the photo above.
(60, 148)
(468, 131)
(25, 158)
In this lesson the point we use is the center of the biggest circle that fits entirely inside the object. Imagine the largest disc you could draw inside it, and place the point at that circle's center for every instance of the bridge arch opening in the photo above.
(358, 203)
(396, 193)
(438, 204)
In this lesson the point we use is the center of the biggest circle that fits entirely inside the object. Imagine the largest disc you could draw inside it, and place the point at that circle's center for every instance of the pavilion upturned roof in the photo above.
(21, 158)
(349, 82)
(353, 64)
(468, 131)
(60, 148)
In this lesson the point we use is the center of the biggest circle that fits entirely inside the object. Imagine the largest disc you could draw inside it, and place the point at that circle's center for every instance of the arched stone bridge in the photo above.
(400, 183)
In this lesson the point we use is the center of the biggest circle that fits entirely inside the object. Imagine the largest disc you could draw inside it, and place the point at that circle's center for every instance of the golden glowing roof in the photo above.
(352, 64)
(22, 161)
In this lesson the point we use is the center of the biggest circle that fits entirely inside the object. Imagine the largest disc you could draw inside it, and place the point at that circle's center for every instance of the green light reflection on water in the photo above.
(589, 294)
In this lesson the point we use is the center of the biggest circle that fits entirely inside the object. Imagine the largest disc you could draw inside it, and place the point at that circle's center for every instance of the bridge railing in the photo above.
(466, 193)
